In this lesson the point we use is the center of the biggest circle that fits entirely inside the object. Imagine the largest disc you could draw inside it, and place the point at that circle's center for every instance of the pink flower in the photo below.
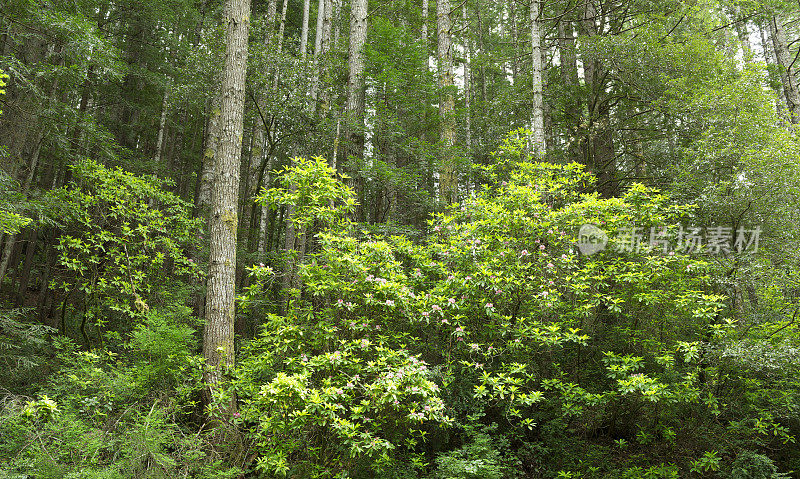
(549, 265)
(541, 247)
(452, 300)
(459, 329)
(436, 307)
(489, 305)
(524, 253)
(426, 314)
(564, 257)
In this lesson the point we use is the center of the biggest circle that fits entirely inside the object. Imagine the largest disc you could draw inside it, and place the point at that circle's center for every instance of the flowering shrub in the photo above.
(497, 315)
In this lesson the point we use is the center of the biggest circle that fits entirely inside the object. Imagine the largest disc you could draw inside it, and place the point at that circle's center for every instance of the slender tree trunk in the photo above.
(264, 219)
(769, 58)
(218, 346)
(327, 25)
(337, 11)
(512, 17)
(743, 33)
(277, 74)
(467, 78)
(569, 78)
(27, 264)
(161, 126)
(448, 184)
(8, 249)
(599, 153)
(786, 68)
(304, 31)
(537, 140)
(317, 54)
(272, 9)
(424, 30)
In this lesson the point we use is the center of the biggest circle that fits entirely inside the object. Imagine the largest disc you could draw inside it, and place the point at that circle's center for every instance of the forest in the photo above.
(399, 239)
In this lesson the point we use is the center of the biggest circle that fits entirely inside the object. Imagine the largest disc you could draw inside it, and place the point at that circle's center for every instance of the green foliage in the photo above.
(315, 395)
(24, 349)
(509, 318)
(310, 186)
(110, 415)
(124, 235)
(479, 458)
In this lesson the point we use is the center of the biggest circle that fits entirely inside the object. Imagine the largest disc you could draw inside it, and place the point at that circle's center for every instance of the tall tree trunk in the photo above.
(512, 18)
(27, 264)
(8, 249)
(327, 25)
(448, 183)
(424, 30)
(277, 74)
(537, 140)
(569, 77)
(203, 200)
(769, 58)
(786, 68)
(317, 54)
(218, 346)
(598, 145)
(467, 79)
(161, 126)
(355, 95)
(740, 23)
(272, 9)
(336, 23)
(304, 31)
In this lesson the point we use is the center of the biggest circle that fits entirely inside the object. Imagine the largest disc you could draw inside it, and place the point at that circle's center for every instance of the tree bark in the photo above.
(304, 31)
(448, 184)
(598, 144)
(161, 126)
(355, 96)
(218, 335)
(206, 180)
(569, 77)
(27, 264)
(537, 144)
(769, 59)
(786, 68)
(317, 54)
(424, 30)
(467, 79)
